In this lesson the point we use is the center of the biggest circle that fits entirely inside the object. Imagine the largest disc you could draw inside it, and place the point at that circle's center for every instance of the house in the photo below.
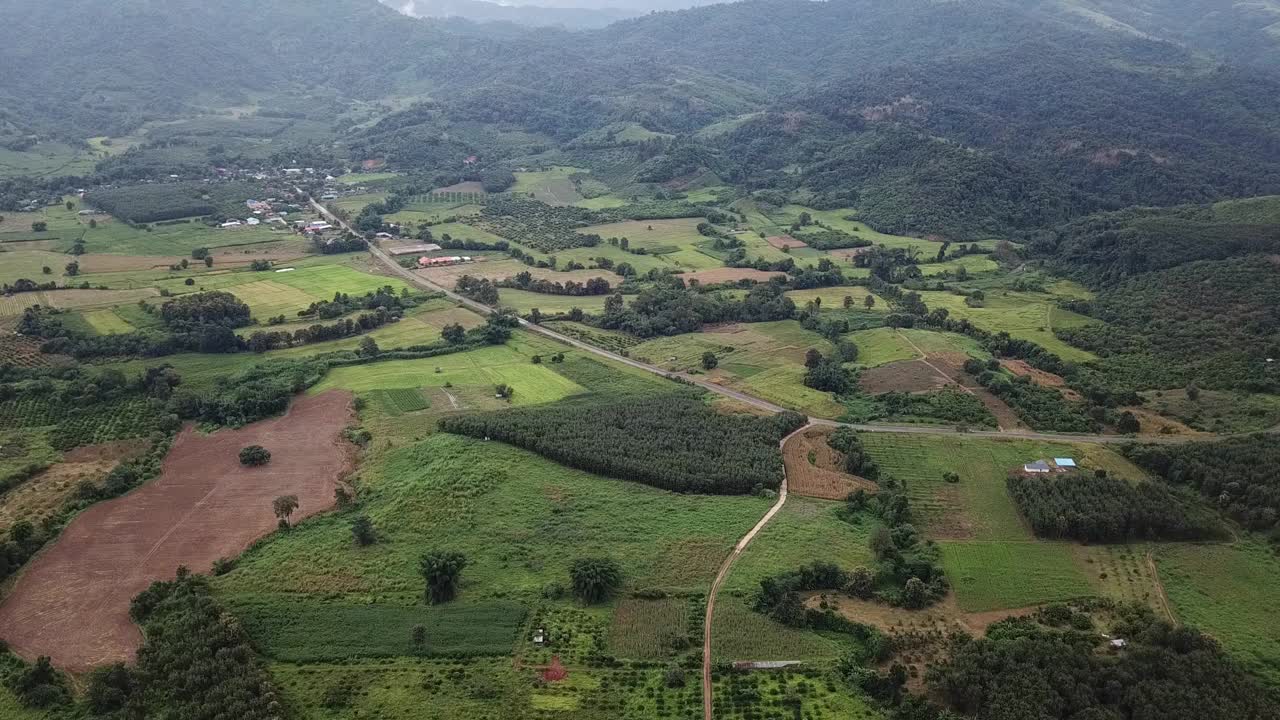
(293, 171)
(441, 261)
(1119, 643)
(253, 221)
(540, 636)
(231, 224)
(1056, 465)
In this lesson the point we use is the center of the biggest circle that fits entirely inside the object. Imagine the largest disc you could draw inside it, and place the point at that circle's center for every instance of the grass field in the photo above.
(1231, 592)
(987, 548)
(518, 518)
(1009, 575)
(269, 298)
(116, 238)
(17, 264)
(1219, 412)
(806, 529)
(833, 298)
(880, 346)
(486, 367)
(552, 186)
(972, 264)
(362, 178)
(107, 322)
(649, 629)
(766, 359)
(741, 633)
(72, 299)
(524, 301)
(1027, 316)
(398, 401)
(652, 235)
(355, 203)
(296, 629)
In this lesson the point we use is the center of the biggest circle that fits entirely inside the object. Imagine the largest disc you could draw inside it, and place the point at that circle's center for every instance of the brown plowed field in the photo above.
(821, 478)
(785, 241)
(903, 376)
(72, 601)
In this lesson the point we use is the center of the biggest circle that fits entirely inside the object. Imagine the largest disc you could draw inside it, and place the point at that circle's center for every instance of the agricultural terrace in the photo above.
(524, 301)
(765, 359)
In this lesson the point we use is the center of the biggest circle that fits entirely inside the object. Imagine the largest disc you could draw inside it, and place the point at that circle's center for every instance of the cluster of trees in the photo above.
(1237, 475)
(670, 309)
(482, 290)
(525, 281)
(538, 225)
(197, 310)
(856, 459)
(1022, 668)
(22, 285)
(384, 298)
(1099, 508)
(673, 441)
(909, 571)
(828, 374)
(195, 661)
(345, 243)
(264, 340)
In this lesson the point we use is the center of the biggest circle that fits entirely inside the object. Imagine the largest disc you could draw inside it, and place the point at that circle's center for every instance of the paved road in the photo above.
(738, 395)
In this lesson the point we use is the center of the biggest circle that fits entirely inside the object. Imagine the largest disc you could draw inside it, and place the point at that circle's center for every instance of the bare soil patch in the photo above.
(72, 601)
(785, 241)
(814, 468)
(724, 275)
(904, 376)
(1039, 377)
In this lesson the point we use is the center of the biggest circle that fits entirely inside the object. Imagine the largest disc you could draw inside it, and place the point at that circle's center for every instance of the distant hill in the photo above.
(530, 15)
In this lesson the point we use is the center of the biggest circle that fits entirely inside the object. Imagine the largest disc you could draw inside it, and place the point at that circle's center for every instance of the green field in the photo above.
(17, 264)
(972, 264)
(1010, 575)
(524, 301)
(113, 237)
(295, 629)
(1231, 592)
(833, 298)
(986, 545)
(107, 322)
(485, 367)
(1027, 316)
(519, 519)
(766, 359)
(398, 401)
(355, 203)
(881, 346)
(652, 235)
(552, 186)
(804, 530)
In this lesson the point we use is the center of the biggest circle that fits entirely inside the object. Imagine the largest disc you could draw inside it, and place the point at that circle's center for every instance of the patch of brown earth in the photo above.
(1153, 423)
(72, 601)
(814, 469)
(849, 253)
(1041, 378)
(724, 275)
(782, 242)
(904, 376)
(472, 186)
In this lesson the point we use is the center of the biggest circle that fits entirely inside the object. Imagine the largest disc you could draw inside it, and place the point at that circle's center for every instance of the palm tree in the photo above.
(594, 579)
(441, 569)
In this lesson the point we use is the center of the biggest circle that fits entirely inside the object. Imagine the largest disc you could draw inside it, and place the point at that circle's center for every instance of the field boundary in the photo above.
(723, 573)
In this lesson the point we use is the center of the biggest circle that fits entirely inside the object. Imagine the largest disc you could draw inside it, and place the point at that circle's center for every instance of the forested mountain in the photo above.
(969, 119)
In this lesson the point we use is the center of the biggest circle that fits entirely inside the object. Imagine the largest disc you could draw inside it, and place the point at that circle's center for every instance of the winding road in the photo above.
(727, 565)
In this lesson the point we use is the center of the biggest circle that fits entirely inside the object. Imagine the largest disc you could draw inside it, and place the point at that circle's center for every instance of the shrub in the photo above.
(254, 456)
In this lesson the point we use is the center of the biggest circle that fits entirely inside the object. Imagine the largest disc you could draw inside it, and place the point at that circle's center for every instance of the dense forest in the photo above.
(1238, 475)
(670, 441)
(1101, 509)
(1024, 669)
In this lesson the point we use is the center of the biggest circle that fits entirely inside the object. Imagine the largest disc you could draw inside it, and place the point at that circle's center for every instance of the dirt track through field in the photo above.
(708, 621)
(72, 601)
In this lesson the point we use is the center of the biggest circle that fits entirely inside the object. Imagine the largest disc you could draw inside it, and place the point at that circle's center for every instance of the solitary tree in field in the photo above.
(441, 569)
(72, 269)
(369, 347)
(594, 579)
(208, 261)
(848, 301)
(812, 358)
(861, 583)
(283, 507)
(709, 361)
(363, 532)
(504, 391)
(453, 334)
(914, 596)
(39, 226)
(419, 636)
(1128, 424)
(870, 302)
(254, 455)
(92, 223)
